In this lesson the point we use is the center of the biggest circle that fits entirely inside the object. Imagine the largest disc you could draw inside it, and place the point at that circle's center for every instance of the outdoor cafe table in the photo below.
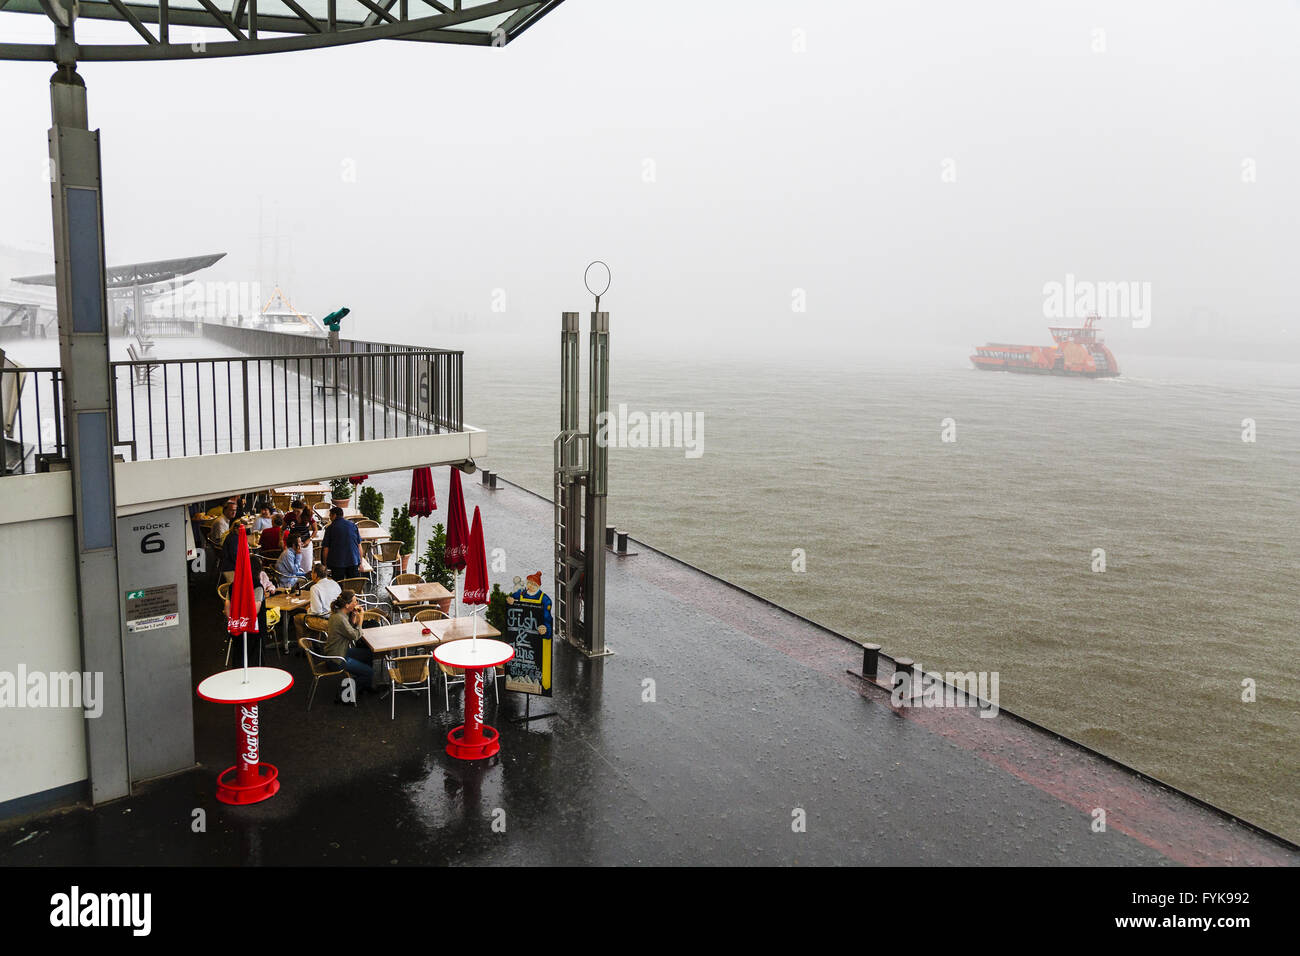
(286, 603)
(472, 740)
(254, 781)
(407, 594)
(398, 637)
(404, 637)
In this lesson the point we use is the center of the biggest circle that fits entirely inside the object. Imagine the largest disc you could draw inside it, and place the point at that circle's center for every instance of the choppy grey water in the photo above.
(978, 554)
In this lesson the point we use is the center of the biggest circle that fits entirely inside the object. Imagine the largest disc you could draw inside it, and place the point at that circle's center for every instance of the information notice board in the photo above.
(529, 671)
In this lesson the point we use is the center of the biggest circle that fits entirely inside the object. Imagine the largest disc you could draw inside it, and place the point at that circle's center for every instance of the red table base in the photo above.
(263, 787)
(488, 745)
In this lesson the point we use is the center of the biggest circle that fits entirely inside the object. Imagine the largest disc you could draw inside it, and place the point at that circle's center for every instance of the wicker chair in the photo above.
(426, 612)
(408, 578)
(375, 616)
(388, 554)
(356, 585)
(318, 624)
(322, 665)
(367, 523)
(450, 675)
(410, 673)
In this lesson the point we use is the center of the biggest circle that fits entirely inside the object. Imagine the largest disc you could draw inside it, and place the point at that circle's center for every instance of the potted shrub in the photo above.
(401, 529)
(340, 492)
(435, 565)
(371, 502)
(496, 609)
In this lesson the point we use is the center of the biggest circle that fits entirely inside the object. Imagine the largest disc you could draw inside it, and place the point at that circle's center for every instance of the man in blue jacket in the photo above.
(341, 548)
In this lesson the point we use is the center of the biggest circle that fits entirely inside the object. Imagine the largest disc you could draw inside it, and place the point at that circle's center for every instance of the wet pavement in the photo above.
(723, 730)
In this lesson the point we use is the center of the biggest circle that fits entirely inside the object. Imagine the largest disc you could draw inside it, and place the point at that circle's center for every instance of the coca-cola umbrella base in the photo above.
(474, 740)
(250, 780)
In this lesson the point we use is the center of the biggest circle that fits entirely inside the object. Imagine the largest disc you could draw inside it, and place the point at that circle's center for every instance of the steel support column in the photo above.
(87, 397)
(597, 481)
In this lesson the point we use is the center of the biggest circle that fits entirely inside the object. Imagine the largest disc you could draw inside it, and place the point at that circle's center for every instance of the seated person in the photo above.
(263, 519)
(230, 547)
(221, 527)
(294, 563)
(322, 594)
(323, 590)
(344, 629)
(271, 536)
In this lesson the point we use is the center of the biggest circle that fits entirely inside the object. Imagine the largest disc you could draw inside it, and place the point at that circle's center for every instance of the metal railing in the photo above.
(31, 417)
(168, 408)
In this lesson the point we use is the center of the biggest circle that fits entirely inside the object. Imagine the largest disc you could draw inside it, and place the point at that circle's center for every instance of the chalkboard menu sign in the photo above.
(529, 671)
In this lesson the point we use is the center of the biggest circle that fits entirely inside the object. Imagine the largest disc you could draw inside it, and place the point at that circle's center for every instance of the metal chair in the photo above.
(450, 675)
(356, 585)
(409, 673)
(322, 665)
(388, 554)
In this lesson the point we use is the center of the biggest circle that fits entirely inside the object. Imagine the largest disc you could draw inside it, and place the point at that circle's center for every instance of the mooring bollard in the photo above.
(870, 660)
(487, 477)
(494, 481)
(609, 536)
(906, 666)
(622, 542)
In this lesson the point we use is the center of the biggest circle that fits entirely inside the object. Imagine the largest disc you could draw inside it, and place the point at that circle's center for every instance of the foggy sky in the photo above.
(774, 169)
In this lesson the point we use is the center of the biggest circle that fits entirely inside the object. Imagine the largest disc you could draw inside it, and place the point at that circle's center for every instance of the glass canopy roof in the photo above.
(269, 26)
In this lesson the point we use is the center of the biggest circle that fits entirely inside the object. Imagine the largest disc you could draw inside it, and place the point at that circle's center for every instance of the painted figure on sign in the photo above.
(533, 596)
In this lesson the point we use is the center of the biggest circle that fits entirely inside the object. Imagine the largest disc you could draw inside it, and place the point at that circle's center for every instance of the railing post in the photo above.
(360, 359)
(243, 364)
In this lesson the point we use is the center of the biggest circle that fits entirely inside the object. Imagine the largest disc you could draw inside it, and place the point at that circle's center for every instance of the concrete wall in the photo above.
(41, 749)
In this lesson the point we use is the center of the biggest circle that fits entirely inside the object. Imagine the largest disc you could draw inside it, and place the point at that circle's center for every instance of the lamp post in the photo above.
(78, 214)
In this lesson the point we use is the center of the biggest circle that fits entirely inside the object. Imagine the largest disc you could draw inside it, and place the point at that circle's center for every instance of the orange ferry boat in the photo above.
(1078, 351)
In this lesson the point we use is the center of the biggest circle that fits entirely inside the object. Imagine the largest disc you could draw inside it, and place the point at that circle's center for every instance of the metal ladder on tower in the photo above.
(570, 476)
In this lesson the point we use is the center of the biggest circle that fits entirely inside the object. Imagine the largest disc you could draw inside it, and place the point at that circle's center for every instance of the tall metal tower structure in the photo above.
(77, 200)
(581, 480)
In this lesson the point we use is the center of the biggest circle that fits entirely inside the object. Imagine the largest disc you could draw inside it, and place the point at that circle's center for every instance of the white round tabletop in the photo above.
(469, 652)
(229, 687)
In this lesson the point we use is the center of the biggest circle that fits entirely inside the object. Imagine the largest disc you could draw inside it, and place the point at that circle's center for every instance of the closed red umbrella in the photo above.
(243, 603)
(423, 499)
(476, 573)
(457, 528)
(422, 504)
